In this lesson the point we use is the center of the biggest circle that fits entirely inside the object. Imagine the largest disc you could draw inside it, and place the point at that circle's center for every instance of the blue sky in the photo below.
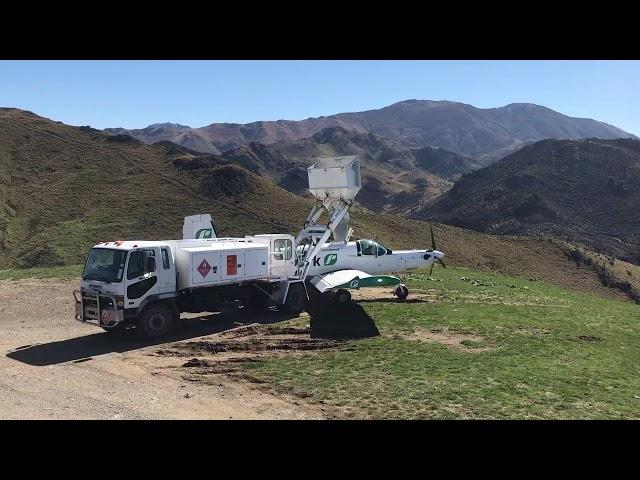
(134, 94)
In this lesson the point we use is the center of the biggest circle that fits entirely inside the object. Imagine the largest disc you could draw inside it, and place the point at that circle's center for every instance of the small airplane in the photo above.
(340, 266)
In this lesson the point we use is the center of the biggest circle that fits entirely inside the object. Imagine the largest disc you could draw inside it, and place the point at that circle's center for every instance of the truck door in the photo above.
(142, 276)
(166, 271)
(281, 258)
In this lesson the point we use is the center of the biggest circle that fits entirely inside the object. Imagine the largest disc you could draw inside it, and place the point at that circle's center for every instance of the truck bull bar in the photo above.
(97, 308)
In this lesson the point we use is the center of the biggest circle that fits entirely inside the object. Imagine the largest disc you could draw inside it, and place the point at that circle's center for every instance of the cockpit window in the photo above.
(369, 247)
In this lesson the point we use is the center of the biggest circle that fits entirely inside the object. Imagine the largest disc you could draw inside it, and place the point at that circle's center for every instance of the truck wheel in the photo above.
(401, 291)
(296, 299)
(343, 296)
(156, 321)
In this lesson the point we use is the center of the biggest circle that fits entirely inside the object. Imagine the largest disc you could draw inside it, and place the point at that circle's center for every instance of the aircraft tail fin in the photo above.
(198, 226)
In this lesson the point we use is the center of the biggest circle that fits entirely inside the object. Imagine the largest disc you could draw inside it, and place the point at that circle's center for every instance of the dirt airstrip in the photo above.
(53, 367)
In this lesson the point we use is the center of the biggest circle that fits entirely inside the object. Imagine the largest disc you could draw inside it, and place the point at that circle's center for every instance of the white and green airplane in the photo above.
(340, 266)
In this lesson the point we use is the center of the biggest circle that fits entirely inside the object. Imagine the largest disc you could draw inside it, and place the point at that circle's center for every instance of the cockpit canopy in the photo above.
(369, 247)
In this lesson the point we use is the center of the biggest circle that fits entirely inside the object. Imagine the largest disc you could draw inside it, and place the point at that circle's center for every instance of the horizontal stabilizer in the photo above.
(353, 279)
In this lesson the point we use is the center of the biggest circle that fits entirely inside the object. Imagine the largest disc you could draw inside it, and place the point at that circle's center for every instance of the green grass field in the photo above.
(482, 346)
(68, 271)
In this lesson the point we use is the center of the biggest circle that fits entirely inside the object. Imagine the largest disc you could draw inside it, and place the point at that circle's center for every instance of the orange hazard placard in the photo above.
(232, 264)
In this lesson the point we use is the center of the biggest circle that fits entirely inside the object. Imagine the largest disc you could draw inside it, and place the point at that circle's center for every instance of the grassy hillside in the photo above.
(64, 188)
(476, 345)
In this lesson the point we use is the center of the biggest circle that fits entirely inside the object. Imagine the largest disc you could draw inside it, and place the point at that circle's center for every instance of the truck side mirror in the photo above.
(151, 264)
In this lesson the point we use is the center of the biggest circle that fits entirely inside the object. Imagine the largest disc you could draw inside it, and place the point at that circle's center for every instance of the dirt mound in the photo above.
(254, 339)
(224, 352)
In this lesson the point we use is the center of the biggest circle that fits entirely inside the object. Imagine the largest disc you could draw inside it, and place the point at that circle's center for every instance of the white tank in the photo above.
(335, 178)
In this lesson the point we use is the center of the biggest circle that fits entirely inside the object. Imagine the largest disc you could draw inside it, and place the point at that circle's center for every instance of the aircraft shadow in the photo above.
(83, 348)
(350, 321)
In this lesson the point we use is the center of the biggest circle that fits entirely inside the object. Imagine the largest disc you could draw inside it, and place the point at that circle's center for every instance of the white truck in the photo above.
(147, 284)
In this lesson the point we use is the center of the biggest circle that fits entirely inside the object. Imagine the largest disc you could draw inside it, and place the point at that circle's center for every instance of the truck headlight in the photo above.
(119, 301)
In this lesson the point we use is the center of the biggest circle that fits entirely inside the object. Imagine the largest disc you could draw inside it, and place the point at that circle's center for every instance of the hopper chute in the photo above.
(335, 182)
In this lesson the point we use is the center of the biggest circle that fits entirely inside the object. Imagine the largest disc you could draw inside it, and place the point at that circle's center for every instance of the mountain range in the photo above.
(468, 131)
(395, 178)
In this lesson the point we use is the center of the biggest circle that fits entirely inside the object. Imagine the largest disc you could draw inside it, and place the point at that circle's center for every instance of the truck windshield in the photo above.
(105, 264)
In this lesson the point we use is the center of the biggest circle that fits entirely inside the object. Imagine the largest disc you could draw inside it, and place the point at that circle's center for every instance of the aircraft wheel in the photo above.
(401, 291)
(343, 296)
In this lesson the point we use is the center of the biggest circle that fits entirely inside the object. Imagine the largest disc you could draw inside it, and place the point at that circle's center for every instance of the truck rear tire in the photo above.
(156, 321)
(296, 299)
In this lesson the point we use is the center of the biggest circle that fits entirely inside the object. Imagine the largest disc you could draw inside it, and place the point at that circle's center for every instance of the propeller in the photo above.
(433, 239)
(433, 247)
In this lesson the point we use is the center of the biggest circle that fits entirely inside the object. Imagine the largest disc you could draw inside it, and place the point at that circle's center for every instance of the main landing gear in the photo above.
(401, 291)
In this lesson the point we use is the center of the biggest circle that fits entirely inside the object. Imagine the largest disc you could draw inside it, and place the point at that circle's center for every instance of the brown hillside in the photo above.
(393, 181)
(585, 191)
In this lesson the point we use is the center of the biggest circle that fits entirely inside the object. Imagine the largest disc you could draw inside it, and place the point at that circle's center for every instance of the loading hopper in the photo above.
(335, 178)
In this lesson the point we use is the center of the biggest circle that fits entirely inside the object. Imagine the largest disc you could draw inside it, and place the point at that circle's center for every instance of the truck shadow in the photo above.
(81, 349)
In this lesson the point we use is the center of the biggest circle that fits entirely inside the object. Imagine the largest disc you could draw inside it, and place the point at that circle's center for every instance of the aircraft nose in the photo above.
(438, 254)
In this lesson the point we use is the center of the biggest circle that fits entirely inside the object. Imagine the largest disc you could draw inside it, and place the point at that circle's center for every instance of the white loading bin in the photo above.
(335, 177)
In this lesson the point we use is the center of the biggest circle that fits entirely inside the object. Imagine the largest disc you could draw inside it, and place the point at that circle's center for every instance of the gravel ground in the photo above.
(56, 368)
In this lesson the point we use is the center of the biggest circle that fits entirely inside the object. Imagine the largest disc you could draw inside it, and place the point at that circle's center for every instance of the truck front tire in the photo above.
(156, 321)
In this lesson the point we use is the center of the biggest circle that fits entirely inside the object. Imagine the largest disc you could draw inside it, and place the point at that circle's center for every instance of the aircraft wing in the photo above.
(351, 279)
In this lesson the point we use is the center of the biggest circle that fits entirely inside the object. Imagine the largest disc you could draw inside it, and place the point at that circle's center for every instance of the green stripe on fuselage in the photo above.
(373, 281)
